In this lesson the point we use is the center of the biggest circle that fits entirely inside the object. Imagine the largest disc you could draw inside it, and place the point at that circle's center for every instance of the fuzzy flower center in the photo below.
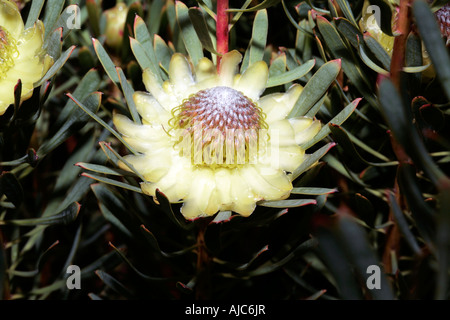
(8, 52)
(218, 126)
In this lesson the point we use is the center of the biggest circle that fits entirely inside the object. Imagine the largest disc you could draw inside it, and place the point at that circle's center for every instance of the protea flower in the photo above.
(443, 17)
(21, 54)
(210, 140)
(115, 22)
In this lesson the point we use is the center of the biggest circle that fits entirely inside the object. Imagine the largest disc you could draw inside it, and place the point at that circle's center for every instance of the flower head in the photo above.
(210, 140)
(115, 22)
(21, 54)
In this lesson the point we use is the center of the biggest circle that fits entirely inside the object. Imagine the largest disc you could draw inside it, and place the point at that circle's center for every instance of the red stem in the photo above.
(222, 28)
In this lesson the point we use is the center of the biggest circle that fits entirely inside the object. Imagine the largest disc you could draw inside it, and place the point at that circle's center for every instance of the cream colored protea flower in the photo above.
(209, 139)
(21, 54)
(115, 23)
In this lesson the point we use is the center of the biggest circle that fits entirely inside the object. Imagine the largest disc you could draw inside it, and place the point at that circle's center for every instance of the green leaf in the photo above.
(87, 85)
(361, 254)
(201, 28)
(11, 188)
(378, 51)
(106, 61)
(101, 169)
(53, 44)
(291, 75)
(145, 40)
(315, 88)
(112, 182)
(399, 118)
(53, 9)
(431, 36)
(343, 140)
(312, 191)
(157, 10)
(338, 120)
(350, 64)
(403, 224)
(178, 219)
(56, 66)
(66, 216)
(139, 273)
(35, 11)
(349, 31)
(67, 16)
(92, 114)
(372, 65)
(128, 92)
(94, 12)
(345, 7)
(190, 38)
(421, 212)
(290, 203)
(163, 54)
(76, 121)
(311, 159)
(263, 5)
(259, 37)
(114, 284)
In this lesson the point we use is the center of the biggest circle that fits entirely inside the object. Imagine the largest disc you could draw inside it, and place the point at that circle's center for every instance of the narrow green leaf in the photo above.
(94, 12)
(345, 7)
(101, 122)
(372, 65)
(128, 92)
(112, 182)
(362, 255)
(101, 169)
(53, 9)
(310, 160)
(157, 10)
(116, 158)
(343, 140)
(290, 203)
(312, 191)
(422, 213)
(338, 119)
(163, 54)
(403, 224)
(35, 11)
(349, 31)
(114, 284)
(316, 87)
(53, 44)
(66, 18)
(66, 216)
(145, 39)
(87, 85)
(178, 219)
(259, 36)
(291, 75)
(378, 51)
(139, 273)
(76, 121)
(350, 64)
(190, 38)
(56, 66)
(201, 28)
(263, 5)
(11, 188)
(106, 61)
(399, 118)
